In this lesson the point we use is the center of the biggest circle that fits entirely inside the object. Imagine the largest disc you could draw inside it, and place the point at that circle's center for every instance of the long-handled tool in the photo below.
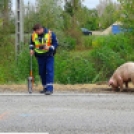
(30, 78)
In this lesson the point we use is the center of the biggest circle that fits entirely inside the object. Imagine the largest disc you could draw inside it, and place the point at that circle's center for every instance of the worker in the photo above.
(43, 45)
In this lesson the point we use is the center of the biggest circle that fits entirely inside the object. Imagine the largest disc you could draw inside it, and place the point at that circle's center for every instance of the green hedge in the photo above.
(112, 51)
(73, 66)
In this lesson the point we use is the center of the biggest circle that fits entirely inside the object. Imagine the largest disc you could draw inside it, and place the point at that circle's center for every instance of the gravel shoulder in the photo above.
(94, 88)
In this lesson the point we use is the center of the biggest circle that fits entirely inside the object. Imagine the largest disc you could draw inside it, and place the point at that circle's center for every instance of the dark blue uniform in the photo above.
(46, 61)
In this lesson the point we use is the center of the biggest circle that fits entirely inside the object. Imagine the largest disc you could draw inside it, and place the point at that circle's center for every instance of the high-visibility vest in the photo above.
(46, 40)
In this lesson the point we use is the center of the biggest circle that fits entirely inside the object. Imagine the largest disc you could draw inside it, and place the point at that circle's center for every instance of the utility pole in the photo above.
(19, 27)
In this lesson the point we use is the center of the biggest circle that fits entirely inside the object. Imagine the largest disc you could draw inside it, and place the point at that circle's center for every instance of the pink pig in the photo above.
(122, 75)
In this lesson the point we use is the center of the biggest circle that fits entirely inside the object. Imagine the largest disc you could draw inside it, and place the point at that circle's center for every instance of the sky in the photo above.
(88, 3)
(92, 3)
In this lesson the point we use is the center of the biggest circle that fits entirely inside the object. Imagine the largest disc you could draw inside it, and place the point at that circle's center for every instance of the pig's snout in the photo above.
(110, 83)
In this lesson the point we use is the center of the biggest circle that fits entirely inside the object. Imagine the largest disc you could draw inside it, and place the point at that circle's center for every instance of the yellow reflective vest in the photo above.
(46, 41)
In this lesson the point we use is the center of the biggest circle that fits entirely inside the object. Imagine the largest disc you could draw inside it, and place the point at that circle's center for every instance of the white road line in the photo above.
(63, 94)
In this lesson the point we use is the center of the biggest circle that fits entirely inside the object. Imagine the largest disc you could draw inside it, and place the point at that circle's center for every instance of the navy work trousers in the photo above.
(46, 71)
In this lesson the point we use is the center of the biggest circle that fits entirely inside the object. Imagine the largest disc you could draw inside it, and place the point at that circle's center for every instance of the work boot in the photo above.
(43, 91)
(48, 93)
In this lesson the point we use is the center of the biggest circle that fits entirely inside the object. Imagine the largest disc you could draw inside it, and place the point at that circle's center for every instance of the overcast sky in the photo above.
(87, 3)
(92, 3)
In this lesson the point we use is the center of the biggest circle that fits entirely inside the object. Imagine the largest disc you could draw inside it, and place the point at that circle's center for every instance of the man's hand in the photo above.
(31, 52)
(46, 47)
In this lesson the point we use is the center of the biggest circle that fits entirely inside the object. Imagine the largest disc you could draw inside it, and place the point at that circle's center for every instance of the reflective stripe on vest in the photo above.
(47, 40)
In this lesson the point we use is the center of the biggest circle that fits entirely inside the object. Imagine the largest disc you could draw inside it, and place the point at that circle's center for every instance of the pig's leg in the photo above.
(120, 83)
(132, 79)
(126, 86)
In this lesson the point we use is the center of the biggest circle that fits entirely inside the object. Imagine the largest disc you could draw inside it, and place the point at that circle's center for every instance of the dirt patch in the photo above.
(59, 87)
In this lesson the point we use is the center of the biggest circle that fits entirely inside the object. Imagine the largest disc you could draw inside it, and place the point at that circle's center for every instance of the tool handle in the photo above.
(31, 65)
(31, 69)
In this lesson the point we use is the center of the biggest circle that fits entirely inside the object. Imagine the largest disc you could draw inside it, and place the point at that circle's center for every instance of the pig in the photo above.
(122, 75)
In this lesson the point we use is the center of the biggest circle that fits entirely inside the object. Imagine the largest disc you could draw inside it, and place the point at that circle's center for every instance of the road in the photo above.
(68, 113)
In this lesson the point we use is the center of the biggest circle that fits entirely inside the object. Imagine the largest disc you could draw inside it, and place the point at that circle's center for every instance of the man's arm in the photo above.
(31, 47)
(54, 43)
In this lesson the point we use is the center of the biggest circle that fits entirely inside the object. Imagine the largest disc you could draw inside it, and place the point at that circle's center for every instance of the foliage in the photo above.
(5, 8)
(108, 13)
(112, 51)
(127, 12)
(89, 18)
(87, 42)
(127, 18)
(22, 70)
(71, 15)
(49, 13)
(46, 13)
(79, 58)
(69, 43)
(74, 67)
(6, 59)
(79, 16)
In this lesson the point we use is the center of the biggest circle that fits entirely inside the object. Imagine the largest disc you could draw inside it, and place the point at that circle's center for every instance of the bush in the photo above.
(72, 68)
(97, 42)
(87, 42)
(114, 51)
(6, 58)
(22, 69)
(67, 43)
(106, 61)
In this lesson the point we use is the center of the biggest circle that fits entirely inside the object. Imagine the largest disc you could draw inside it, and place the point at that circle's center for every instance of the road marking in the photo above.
(65, 94)
(24, 133)
(3, 115)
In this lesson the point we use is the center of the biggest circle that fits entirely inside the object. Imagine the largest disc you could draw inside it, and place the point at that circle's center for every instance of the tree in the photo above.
(88, 18)
(30, 16)
(127, 10)
(127, 18)
(108, 13)
(5, 6)
(72, 18)
(48, 13)
(72, 7)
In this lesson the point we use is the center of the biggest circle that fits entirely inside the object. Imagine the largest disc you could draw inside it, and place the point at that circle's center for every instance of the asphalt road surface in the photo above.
(68, 113)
